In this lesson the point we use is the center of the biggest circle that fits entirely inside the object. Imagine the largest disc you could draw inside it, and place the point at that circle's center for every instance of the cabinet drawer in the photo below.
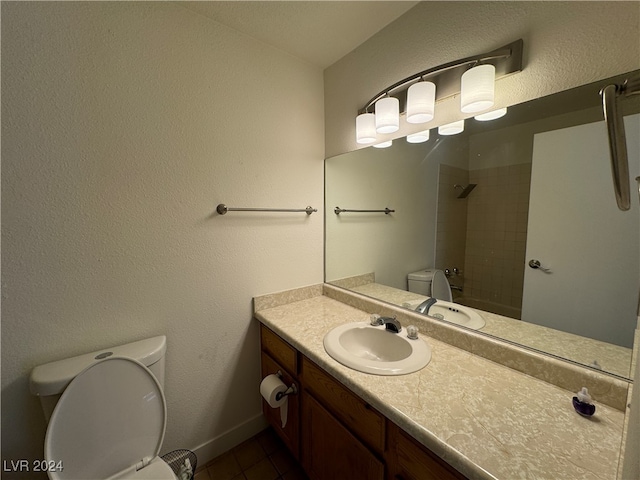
(360, 418)
(416, 462)
(281, 351)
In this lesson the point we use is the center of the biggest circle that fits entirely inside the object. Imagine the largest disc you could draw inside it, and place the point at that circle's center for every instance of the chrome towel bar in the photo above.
(339, 210)
(223, 209)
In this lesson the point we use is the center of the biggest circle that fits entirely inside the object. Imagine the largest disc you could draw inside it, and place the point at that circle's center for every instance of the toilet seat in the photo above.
(440, 287)
(109, 422)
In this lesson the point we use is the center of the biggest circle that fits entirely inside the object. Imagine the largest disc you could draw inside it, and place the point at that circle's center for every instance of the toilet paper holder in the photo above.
(292, 390)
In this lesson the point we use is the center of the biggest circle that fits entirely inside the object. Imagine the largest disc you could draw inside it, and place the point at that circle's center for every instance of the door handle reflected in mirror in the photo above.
(536, 265)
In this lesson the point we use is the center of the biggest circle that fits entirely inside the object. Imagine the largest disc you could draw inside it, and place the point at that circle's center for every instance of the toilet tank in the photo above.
(420, 282)
(49, 381)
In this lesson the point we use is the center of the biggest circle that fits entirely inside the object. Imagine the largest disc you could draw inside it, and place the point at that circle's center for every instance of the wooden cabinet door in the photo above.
(330, 451)
(359, 417)
(290, 433)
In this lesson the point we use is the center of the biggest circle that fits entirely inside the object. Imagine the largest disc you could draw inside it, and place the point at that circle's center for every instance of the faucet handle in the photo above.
(376, 320)
(412, 332)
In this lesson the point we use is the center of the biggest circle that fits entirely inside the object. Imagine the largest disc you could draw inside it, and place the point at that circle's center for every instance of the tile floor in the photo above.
(263, 457)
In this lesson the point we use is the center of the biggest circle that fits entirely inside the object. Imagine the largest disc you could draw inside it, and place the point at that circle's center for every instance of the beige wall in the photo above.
(565, 44)
(123, 126)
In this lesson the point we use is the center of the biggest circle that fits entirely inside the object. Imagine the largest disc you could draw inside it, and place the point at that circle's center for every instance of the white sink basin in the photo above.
(452, 312)
(370, 349)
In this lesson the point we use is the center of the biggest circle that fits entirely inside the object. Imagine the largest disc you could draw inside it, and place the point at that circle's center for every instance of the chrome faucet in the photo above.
(391, 324)
(425, 306)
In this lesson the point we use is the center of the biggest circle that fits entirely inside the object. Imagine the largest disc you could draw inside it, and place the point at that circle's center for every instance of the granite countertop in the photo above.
(486, 420)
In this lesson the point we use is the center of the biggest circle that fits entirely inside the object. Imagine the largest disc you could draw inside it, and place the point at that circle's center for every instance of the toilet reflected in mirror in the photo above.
(430, 282)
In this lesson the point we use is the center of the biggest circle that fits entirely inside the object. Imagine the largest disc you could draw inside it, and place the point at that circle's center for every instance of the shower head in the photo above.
(465, 190)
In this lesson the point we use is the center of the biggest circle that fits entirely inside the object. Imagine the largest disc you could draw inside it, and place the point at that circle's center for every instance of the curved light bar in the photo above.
(507, 60)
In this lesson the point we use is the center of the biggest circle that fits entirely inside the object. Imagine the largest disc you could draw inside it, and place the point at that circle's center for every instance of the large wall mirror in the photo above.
(534, 185)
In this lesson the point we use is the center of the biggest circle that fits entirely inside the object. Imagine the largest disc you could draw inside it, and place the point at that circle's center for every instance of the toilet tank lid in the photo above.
(425, 275)
(52, 378)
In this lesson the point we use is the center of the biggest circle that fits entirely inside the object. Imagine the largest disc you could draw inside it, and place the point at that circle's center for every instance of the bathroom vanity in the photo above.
(342, 436)
(462, 416)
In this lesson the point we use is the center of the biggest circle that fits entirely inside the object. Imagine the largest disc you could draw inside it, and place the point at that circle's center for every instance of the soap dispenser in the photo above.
(582, 403)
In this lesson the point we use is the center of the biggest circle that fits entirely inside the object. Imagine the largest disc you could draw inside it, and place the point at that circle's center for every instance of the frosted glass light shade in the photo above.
(419, 137)
(492, 115)
(421, 101)
(366, 128)
(386, 144)
(451, 128)
(387, 115)
(477, 88)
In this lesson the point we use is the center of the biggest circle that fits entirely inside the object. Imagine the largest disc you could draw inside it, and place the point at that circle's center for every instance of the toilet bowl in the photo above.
(431, 283)
(110, 420)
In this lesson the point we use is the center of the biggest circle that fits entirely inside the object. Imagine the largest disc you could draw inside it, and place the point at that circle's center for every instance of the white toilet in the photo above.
(106, 412)
(431, 283)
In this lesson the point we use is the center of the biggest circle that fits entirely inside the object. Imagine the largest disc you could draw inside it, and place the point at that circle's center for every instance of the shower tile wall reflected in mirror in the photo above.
(483, 234)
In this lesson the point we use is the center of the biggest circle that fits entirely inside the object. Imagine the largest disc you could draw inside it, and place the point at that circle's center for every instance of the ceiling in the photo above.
(318, 32)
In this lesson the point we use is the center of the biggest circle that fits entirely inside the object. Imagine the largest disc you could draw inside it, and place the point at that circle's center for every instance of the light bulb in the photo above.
(421, 100)
(419, 137)
(492, 115)
(451, 128)
(387, 115)
(366, 128)
(477, 88)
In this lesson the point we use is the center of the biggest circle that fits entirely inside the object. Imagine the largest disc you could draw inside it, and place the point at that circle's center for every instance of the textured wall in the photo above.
(123, 125)
(565, 44)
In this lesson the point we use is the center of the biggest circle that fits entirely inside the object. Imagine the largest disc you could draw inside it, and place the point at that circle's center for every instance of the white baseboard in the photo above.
(229, 439)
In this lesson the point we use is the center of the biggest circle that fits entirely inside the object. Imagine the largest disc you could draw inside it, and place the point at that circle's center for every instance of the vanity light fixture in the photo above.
(419, 137)
(492, 115)
(386, 144)
(451, 128)
(449, 79)
(387, 115)
(477, 88)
